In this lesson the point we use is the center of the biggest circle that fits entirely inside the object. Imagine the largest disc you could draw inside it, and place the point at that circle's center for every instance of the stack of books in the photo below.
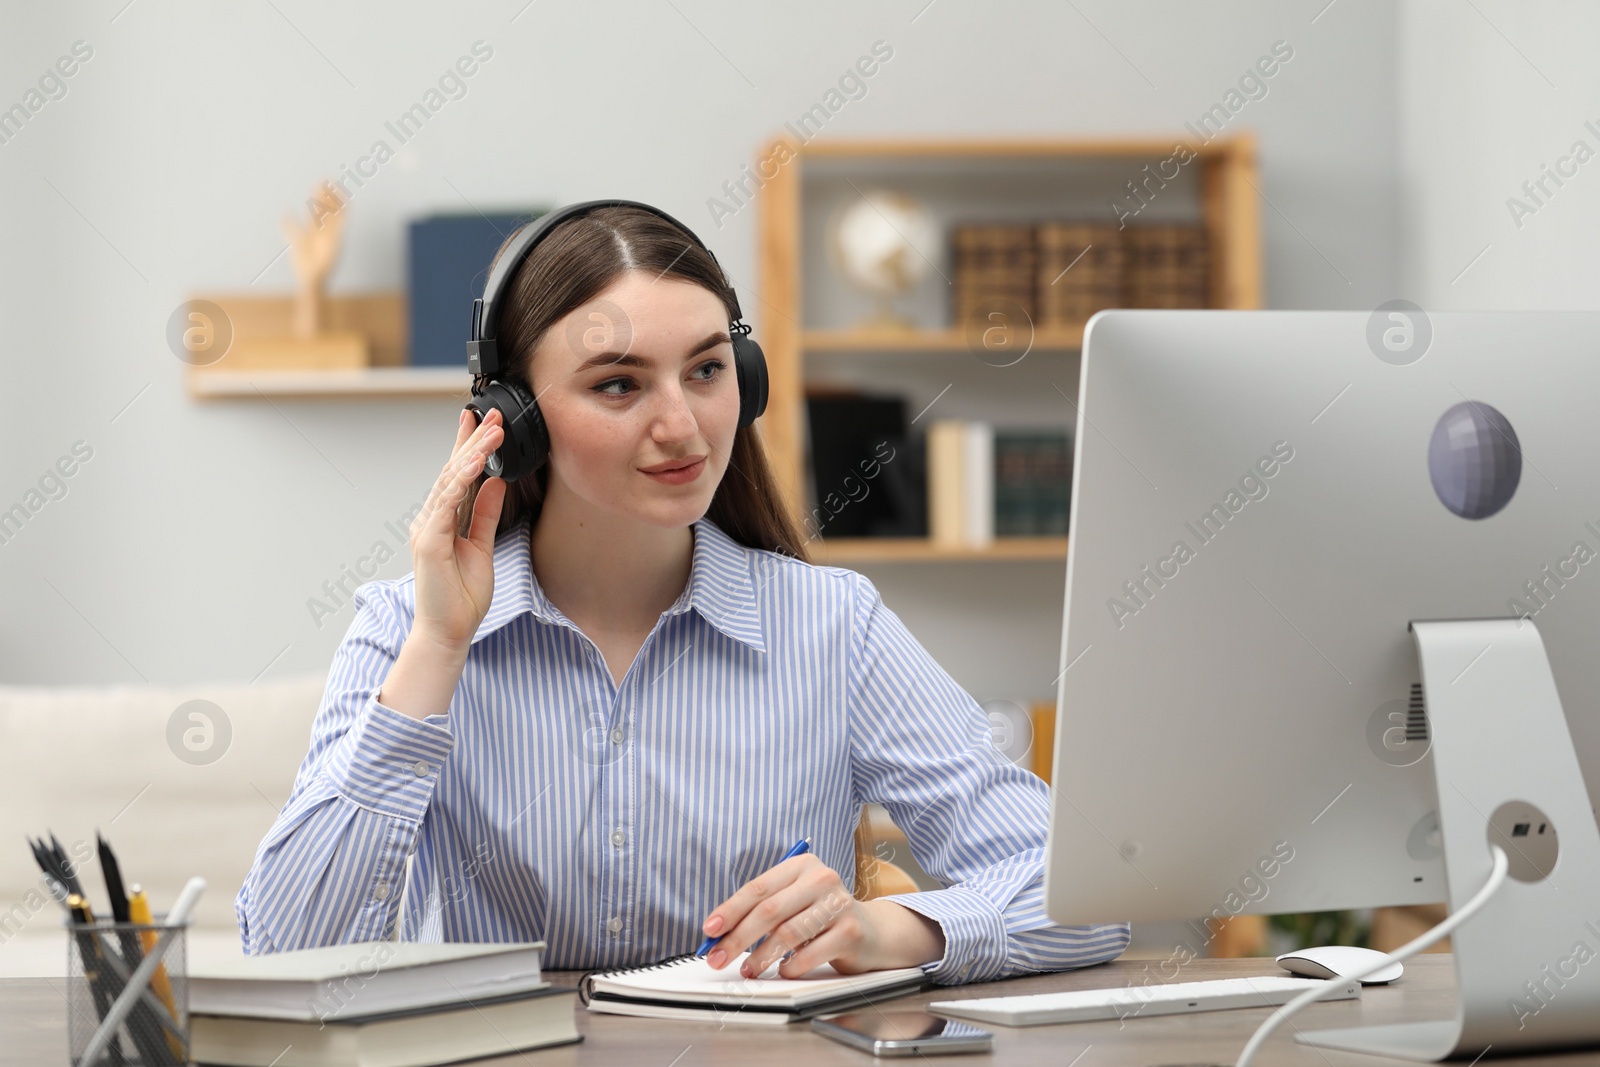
(1080, 272)
(1166, 267)
(985, 483)
(1061, 272)
(993, 268)
(1032, 483)
(376, 1004)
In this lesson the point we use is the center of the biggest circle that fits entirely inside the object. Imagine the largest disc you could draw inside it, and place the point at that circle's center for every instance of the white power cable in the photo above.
(1497, 877)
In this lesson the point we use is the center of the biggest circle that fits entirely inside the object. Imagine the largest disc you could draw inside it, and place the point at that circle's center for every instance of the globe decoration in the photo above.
(1474, 460)
(880, 243)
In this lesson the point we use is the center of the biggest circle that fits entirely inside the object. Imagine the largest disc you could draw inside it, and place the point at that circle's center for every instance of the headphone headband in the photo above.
(482, 354)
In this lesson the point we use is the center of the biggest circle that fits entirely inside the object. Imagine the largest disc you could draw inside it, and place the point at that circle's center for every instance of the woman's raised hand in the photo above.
(454, 574)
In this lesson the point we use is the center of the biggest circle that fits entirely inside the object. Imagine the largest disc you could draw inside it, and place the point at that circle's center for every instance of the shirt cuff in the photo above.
(390, 762)
(973, 930)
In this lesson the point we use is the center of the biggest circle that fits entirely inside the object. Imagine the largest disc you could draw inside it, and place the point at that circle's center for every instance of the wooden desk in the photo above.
(33, 1027)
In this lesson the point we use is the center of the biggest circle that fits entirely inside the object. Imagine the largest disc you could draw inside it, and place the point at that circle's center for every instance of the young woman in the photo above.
(603, 717)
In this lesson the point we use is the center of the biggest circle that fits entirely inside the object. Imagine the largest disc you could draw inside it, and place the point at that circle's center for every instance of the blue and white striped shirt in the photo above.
(769, 703)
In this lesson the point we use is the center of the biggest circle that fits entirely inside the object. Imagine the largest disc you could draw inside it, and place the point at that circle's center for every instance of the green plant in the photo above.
(1323, 928)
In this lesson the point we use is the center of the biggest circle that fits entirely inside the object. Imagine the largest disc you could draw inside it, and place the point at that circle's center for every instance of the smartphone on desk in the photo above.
(904, 1033)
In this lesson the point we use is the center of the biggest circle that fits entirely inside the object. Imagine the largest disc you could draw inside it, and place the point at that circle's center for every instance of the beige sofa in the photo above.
(77, 759)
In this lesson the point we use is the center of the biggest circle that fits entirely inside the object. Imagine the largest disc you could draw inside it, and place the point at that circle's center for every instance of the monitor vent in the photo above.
(1416, 715)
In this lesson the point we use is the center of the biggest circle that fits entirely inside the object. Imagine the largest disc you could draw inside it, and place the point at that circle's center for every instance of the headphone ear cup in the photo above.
(750, 366)
(526, 445)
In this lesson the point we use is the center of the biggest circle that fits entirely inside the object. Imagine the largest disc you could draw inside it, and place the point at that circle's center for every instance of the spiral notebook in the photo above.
(686, 987)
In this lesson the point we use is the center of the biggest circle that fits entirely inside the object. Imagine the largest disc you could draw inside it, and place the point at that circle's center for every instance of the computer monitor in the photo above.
(1318, 562)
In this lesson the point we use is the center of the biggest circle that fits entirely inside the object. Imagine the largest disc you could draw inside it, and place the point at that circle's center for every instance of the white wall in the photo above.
(187, 546)
(1490, 98)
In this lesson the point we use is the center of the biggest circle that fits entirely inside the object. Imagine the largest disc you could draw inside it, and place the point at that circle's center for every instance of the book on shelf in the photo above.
(977, 483)
(1166, 267)
(865, 474)
(1060, 272)
(992, 267)
(985, 483)
(1080, 267)
(948, 493)
(1032, 482)
(445, 254)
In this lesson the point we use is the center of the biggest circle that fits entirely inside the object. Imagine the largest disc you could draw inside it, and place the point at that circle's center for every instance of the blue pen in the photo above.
(800, 847)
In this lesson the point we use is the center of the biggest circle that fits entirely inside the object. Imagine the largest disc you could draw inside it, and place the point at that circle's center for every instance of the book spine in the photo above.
(993, 265)
(1007, 485)
(1080, 268)
(978, 482)
(1166, 267)
(1032, 492)
(946, 493)
(1059, 486)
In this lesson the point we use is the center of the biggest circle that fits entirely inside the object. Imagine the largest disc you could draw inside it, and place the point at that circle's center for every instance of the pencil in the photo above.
(139, 912)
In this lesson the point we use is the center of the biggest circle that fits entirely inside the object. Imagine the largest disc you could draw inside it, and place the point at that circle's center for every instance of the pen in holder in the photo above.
(127, 989)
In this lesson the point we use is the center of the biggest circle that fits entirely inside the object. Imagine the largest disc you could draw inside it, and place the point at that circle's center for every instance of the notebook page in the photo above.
(695, 978)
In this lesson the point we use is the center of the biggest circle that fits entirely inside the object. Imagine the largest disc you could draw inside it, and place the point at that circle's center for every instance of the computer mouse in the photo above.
(1338, 960)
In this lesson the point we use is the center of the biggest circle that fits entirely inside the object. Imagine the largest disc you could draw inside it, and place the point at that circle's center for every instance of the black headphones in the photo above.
(526, 446)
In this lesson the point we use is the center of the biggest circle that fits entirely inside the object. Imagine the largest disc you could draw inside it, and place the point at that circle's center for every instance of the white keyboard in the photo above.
(1125, 1002)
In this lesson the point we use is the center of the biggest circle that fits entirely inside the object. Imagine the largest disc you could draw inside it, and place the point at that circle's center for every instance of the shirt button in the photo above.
(617, 735)
(617, 837)
(380, 891)
(614, 924)
(421, 768)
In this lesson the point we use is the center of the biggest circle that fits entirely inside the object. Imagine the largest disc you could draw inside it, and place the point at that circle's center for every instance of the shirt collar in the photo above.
(721, 587)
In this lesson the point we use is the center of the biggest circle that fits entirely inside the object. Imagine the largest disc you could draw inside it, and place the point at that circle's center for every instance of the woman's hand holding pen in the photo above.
(455, 573)
(802, 906)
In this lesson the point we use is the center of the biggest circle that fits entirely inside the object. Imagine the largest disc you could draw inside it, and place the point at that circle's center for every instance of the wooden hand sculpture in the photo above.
(313, 250)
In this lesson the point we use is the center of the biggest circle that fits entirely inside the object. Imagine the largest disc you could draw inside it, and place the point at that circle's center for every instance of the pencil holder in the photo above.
(103, 960)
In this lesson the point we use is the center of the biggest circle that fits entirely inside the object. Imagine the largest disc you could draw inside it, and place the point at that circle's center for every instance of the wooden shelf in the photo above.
(380, 317)
(922, 550)
(1052, 340)
(369, 383)
(1224, 169)
(1003, 148)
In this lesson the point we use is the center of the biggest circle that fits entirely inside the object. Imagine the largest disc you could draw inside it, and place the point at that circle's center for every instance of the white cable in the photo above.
(1497, 877)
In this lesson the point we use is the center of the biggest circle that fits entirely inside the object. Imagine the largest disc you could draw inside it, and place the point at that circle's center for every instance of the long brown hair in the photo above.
(572, 265)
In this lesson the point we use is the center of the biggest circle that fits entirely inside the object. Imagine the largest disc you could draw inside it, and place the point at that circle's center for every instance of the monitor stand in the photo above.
(1528, 964)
